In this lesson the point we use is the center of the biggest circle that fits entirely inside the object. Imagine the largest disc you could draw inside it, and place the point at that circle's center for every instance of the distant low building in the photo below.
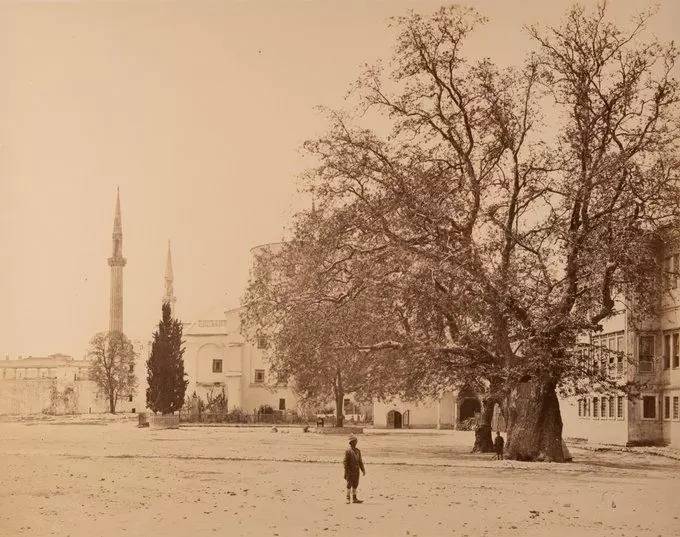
(450, 411)
(56, 384)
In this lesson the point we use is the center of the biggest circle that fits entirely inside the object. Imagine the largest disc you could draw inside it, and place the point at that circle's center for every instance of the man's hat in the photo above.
(352, 438)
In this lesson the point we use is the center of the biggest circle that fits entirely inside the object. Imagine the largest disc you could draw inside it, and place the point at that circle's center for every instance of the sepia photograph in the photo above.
(367, 268)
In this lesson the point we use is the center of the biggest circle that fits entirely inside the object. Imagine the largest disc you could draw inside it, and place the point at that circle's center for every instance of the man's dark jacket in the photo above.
(353, 463)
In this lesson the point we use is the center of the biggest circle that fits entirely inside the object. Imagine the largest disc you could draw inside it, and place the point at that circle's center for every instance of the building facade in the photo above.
(218, 357)
(450, 411)
(55, 384)
(645, 354)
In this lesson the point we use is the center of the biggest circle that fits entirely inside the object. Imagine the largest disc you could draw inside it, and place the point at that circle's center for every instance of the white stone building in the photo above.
(447, 412)
(649, 355)
(218, 357)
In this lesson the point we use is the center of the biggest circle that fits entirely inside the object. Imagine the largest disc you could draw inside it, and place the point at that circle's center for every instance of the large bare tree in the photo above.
(112, 366)
(521, 202)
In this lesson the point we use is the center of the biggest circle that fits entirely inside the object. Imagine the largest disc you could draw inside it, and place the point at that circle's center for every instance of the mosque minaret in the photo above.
(117, 262)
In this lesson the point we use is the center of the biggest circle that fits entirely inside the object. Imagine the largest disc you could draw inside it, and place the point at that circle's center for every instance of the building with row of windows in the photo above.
(645, 356)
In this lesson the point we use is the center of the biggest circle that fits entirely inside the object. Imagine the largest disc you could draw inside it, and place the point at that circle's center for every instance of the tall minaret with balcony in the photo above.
(169, 296)
(117, 262)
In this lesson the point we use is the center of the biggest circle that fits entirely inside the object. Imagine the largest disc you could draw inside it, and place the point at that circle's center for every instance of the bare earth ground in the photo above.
(109, 478)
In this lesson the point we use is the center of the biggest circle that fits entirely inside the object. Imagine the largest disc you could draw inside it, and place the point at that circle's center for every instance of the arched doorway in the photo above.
(393, 419)
(468, 408)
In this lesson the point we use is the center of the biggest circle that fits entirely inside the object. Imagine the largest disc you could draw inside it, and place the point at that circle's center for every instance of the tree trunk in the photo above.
(339, 417)
(534, 422)
(483, 440)
(112, 404)
(339, 399)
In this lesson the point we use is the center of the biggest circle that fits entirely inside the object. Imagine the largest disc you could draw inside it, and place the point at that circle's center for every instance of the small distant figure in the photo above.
(353, 464)
(498, 445)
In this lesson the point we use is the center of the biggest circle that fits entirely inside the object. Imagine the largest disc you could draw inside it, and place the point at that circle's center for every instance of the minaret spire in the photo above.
(169, 296)
(117, 224)
(117, 262)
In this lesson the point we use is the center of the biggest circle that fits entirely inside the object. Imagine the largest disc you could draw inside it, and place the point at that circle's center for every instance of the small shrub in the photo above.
(217, 406)
(193, 409)
(468, 424)
(237, 415)
(265, 409)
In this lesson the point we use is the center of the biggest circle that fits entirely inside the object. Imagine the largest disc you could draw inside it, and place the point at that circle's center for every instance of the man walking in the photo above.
(353, 464)
(498, 445)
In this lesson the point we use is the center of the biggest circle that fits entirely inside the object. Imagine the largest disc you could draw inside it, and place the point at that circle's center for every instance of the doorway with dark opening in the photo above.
(468, 408)
(394, 419)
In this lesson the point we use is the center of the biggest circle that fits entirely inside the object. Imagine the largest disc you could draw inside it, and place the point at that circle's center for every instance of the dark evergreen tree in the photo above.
(165, 366)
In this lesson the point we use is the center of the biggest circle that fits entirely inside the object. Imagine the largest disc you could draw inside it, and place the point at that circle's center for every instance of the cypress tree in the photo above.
(165, 366)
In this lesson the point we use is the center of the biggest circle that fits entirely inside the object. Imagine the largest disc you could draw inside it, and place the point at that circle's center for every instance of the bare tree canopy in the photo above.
(506, 211)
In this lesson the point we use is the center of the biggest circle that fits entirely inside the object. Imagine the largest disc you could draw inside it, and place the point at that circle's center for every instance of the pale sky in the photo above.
(197, 111)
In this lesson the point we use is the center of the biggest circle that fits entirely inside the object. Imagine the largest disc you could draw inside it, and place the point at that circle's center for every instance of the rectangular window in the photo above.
(596, 407)
(676, 351)
(619, 406)
(619, 356)
(130, 398)
(611, 355)
(667, 351)
(587, 403)
(603, 407)
(649, 407)
(668, 272)
(282, 404)
(217, 366)
(259, 376)
(667, 408)
(611, 406)
(580, 408)
(646, 353)
(676, 408)
(261, 342)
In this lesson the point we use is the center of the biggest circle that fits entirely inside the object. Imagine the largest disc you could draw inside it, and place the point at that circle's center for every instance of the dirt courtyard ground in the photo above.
(112, 479)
